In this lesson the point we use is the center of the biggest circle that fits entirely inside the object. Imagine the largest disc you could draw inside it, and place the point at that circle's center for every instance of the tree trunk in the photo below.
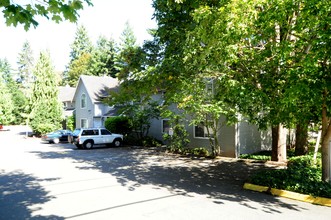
(326, 134)
(278, 144)
(301, 139)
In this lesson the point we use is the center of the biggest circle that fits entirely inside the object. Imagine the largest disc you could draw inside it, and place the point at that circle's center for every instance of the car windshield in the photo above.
(76, 131)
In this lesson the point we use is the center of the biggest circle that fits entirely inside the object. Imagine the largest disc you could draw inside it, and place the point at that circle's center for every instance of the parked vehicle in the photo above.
(86, 138)
(57, 136)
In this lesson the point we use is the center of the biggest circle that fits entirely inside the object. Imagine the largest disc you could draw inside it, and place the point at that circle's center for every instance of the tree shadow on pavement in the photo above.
(219, 180)
(18, 191)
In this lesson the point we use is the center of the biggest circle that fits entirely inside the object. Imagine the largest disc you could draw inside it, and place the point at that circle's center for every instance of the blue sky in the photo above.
(106, 18)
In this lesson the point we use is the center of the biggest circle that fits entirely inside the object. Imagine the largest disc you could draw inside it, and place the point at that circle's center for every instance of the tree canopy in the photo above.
(56, 10)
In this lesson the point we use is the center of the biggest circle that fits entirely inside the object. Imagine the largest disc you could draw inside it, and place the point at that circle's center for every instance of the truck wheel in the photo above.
(88, 144)
(117, 142)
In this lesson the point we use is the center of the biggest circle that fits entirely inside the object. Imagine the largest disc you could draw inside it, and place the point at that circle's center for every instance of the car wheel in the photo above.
(56, 141)
(117, 142)
(88, 144)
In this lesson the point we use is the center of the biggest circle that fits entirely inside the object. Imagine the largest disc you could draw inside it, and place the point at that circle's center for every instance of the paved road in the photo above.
(44, 181)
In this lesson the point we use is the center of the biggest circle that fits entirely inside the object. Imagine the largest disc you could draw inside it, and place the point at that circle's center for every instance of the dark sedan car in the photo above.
(56, 136)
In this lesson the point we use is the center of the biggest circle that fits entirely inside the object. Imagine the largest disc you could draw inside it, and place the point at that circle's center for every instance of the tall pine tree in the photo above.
(6, 103)
(25, 66)
(130, 55)
(80, 57)
(18, 96)
(103, 58)
(46, 109)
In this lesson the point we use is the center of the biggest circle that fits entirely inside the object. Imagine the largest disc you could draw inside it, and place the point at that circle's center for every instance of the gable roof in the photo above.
(66, 93)
(97, 86)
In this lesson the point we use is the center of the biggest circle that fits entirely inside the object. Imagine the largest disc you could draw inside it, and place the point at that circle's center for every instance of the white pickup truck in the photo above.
(86, 138)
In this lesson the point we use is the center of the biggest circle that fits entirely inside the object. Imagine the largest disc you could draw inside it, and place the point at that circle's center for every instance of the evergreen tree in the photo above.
(46, 110)
(130, 55)
(18, 98)
(80, 55)
(78, 67)
(25, 65)
(82, 44)
(103, 58)
(6, 104)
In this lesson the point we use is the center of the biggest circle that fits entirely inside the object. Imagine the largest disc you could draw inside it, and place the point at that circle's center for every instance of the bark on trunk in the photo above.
(301, 139)
(326, 134)
(278, 144)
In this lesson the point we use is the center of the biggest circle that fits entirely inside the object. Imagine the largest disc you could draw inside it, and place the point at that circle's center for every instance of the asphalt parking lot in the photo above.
(57, 181)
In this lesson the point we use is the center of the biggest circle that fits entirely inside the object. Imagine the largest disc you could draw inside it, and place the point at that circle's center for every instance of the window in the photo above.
(83, 101)
(90, 132)
(83, 123)
(201, 131)
(165, 126)
(210, 87)
(105, 132)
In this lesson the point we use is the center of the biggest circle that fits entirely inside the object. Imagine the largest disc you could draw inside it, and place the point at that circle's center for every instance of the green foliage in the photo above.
(71, 122)
(118, 124)
(55, 10)
(130, 57)
(103, 58)
(146, 141)
(80, 57)
(256, 156)
(140, 116)
(25, 66)
(46, 110)
(150, 142)
(76, 68)
(302, 175)
(196, 152)
(179, 140)
(43, 128)
(17, 94)
(7, 106)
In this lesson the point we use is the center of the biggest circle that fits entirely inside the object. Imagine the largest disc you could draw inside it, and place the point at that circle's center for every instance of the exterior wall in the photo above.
(69, 105)
(97, 122)
(87, 112)
(156, 129)
(226, 137)
(251, 140)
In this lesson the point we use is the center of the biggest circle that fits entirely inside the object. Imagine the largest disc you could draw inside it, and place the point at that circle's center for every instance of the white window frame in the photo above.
(81, 101)
(81, 122)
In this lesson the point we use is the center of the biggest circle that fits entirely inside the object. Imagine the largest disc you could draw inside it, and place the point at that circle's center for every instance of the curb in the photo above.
(289, 194)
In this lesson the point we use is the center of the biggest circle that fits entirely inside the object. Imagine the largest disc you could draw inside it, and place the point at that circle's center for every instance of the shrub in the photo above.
(118, 124)
(179, 140)
(262, 155)
(302, 175)
(150, 142)
(71, 122)
(40, 129)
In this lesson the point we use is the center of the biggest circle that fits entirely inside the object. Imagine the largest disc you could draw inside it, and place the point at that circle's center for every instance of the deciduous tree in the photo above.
(56, 10)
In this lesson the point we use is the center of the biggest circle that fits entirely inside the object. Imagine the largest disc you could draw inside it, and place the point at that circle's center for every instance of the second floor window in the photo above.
(83, 101)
